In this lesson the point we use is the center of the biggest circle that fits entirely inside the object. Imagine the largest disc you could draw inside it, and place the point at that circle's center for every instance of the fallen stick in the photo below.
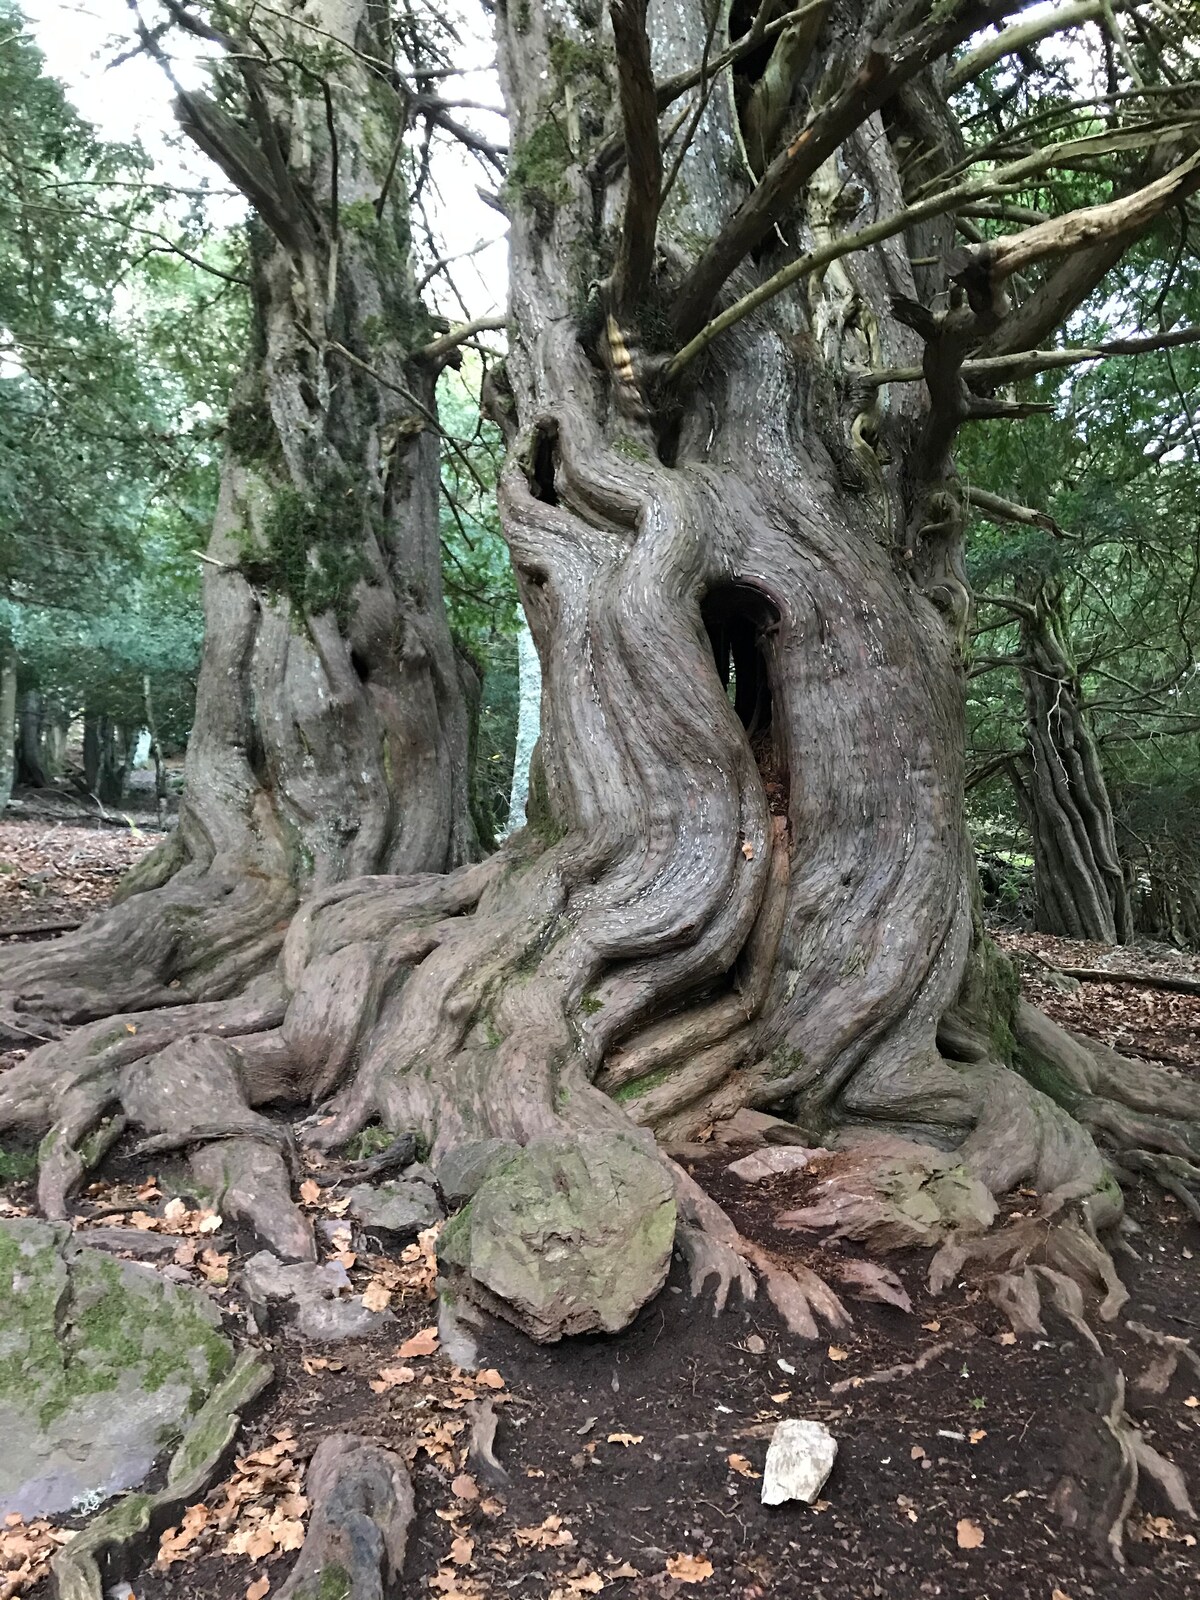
(1148, 980)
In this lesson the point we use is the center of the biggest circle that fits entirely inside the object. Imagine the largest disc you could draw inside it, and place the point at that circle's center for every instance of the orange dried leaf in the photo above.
(741, 1466)
(690, 1569)
(257, 1589)
(462, 1550)
(625, 1438)
(970, 1534)
(376, 1298)
(310, 1191)
(836, 1353)
(489, 1378)
(464, 1487)
(421, 1344)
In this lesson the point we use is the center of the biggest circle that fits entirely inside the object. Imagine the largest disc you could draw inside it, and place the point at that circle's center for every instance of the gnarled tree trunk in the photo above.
(1079, 882)
(745, 877)
(331, 726)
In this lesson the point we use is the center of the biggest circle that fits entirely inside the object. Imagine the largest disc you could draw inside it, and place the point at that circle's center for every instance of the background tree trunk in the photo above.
(331, 732)
(529, 713)
(1079, 884)
(8, 721)
(30, 767)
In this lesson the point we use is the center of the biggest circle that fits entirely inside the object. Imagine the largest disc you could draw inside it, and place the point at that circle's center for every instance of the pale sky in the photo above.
(82, 38)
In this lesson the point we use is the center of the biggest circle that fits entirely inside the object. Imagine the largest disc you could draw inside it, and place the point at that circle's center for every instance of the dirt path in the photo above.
(632, 1463)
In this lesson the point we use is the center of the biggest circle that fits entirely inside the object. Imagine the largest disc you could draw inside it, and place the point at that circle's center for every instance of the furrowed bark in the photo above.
(745, 877)
(331, 732)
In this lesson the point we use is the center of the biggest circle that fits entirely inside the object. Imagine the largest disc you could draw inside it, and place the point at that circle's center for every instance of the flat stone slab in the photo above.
(771, 1161)
(102, 1365)
(315, 1296)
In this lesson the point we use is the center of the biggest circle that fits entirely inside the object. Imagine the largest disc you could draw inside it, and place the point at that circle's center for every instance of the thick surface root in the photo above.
(362, 1502)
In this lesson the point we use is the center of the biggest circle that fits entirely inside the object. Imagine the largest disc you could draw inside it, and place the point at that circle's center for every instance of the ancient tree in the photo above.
(744, 336)
(332, 720)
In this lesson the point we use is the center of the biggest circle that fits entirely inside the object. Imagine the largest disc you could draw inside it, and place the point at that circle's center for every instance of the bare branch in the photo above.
(1027, 363)
(438, 349)
(1001, 510)
(1021, 34)
(934, 205)
(643, 157)
(891, 60)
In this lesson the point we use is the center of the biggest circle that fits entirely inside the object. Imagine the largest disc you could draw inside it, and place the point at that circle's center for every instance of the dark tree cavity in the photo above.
(743, 341)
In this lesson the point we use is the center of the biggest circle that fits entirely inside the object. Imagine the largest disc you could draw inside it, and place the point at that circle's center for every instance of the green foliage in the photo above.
(481, 594)
(117, 362)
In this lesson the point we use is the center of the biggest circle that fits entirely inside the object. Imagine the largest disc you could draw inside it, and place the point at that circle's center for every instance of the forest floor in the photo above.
(632, 1463)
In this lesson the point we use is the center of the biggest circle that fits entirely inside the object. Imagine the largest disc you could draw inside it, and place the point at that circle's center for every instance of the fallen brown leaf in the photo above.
(836, 1353)
(257, 1589)
(625, 1438)
(489, 1378)
(690, 1569)
(550, 1535)
(310, 1191)
(742, 1467)
(421, 1344)
(462, 1550)
(376, 1298)
(970, 1534)
(465, 1487)
(977, 1435)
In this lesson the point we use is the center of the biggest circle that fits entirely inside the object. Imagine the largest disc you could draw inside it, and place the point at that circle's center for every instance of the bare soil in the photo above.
(632, 1458)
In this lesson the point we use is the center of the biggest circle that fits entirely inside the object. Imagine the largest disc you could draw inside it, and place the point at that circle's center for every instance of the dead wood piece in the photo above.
(25, 930)
(481, 1454)
(114, 1545)
(905, 1369)
(1147, 980)
(362, 1508)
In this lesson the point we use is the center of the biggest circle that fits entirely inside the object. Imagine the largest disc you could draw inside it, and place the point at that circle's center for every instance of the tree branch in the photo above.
(643, 157)
(1000, 510)
(1022, 34)
(890, 61)
(989, 265)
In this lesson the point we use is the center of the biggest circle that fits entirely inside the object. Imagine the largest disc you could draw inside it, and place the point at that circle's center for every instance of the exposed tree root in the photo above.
(115, 1544)
(362, 1504)
(1137, 1459)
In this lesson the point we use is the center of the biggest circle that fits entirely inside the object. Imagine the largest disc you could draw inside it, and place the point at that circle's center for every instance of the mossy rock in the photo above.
(102, 1365)
(571, 1235)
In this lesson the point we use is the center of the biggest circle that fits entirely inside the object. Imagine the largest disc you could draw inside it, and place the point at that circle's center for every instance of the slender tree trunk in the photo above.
(331, 732)
(92, 749)
(8, 721)
(30, 767)
(529, 713)
(1079, 882)
(160, 767)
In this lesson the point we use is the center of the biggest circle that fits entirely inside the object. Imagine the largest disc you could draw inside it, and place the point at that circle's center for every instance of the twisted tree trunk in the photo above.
(1079, 882)
(745, 877)
(331, 727)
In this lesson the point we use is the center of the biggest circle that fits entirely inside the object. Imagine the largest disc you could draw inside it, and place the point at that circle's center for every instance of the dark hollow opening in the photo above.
(741, 623)
(545, 461)
(359, 663)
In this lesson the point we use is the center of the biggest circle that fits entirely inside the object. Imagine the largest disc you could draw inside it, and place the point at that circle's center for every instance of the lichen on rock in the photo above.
(102, 1364)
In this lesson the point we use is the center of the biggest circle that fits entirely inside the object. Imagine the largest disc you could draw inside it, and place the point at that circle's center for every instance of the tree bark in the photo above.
(30, 767)
(1079, 882)
(8, 721)
(331, 732)
(745, 878)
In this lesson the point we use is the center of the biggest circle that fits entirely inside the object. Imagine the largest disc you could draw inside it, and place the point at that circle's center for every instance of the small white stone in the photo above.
(800, 1458)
